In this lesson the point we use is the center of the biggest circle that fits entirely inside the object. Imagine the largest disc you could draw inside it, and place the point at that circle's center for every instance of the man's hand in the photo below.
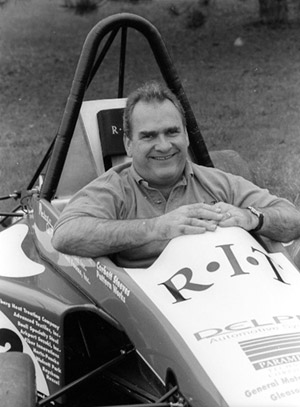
(91, 237)
(189, 219)
(233, 216)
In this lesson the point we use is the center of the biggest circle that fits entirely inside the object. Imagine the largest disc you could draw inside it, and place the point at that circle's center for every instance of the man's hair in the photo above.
(149, 92)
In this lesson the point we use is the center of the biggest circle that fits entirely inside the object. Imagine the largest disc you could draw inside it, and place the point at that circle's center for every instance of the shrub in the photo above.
(82, 6)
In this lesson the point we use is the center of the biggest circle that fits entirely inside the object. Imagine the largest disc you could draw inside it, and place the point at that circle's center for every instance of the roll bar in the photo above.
(86, 68)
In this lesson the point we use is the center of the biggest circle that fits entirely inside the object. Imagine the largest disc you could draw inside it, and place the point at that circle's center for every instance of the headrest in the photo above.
(110, 124)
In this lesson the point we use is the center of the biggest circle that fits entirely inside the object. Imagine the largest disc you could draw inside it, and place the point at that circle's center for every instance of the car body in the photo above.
(214, 321)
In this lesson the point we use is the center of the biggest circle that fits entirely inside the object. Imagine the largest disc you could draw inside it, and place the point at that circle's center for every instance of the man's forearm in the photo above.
(281, 223)
(91, 237)
(281, 220)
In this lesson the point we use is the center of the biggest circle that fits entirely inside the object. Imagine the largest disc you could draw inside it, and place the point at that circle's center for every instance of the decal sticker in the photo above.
(26, 329)
(112, 282)
(80, 266)
(274, 350)
(11, 340)
(48, 221)
(14, 261)
(237, 308)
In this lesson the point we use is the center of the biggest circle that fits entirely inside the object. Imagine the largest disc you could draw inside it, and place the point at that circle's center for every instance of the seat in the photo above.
(97, 144)
(110, 124)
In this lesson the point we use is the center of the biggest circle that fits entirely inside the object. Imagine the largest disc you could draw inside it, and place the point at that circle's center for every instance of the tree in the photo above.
(273, 12)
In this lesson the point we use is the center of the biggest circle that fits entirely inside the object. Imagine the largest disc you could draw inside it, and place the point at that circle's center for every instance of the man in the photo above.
(132, 211)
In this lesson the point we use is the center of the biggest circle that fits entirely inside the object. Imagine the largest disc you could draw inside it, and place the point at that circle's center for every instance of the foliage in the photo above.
(273, 12)
(195, 12)
(82, 6)
(195, 18)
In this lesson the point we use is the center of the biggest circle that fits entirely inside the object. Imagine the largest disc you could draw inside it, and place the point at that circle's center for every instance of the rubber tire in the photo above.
(17, 380)
(230, 161)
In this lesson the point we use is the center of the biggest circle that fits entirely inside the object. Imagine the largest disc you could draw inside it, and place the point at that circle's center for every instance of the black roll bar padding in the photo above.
(80, 82)
(122, 62)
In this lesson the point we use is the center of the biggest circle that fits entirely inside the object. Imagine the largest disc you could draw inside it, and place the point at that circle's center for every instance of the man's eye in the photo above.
(173, 132)
(147, 136)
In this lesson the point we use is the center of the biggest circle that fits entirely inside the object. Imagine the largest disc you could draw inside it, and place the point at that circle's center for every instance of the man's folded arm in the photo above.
(93, 237)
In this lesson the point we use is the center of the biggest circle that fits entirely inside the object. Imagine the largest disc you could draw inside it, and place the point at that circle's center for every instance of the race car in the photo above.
(214, 322)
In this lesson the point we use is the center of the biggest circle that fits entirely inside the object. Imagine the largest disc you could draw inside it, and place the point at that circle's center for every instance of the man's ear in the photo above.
(127, 144)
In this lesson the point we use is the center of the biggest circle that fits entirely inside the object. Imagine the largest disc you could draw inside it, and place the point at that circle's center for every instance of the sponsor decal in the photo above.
(243, 328)
(112, 282)
(26, 330)
(269, 351)
(230, 258)
(48, 221)
(79, 264)
(12, 340)
(237, 308)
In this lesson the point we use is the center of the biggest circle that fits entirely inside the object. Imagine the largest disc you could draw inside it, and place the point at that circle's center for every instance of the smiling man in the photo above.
(133, 210)
(157, 143)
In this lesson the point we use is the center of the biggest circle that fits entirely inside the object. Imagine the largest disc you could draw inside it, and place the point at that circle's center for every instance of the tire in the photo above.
(230, 161)
(17, 380)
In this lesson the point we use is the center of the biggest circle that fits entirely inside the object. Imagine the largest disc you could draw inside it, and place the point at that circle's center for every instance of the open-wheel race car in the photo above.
(214, 322)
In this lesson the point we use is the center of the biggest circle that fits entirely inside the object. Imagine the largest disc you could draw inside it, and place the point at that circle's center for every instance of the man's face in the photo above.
(158, 144)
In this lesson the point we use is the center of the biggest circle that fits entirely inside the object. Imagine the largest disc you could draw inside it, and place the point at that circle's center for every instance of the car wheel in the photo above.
(17, 380)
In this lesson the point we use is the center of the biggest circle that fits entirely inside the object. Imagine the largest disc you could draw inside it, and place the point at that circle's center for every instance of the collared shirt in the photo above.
(121, 194)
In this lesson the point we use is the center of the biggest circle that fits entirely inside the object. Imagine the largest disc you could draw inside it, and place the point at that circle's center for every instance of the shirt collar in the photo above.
(135, 175)
(187, 172)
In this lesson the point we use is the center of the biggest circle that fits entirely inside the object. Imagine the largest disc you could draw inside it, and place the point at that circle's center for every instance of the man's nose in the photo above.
(163, 144)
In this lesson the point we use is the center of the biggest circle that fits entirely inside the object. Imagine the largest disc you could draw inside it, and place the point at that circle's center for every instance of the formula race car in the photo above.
(215, 321)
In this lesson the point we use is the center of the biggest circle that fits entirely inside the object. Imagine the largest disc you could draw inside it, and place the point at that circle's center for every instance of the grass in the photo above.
(245, 97)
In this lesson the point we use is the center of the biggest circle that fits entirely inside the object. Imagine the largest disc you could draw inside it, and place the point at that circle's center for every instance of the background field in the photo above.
(245, 97)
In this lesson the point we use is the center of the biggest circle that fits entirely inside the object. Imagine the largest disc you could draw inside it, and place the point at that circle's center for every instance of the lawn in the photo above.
(246, 96)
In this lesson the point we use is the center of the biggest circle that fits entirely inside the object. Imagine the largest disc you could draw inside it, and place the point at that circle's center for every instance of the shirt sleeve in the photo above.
(237, 191)
(102, 198)
(245, 193)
